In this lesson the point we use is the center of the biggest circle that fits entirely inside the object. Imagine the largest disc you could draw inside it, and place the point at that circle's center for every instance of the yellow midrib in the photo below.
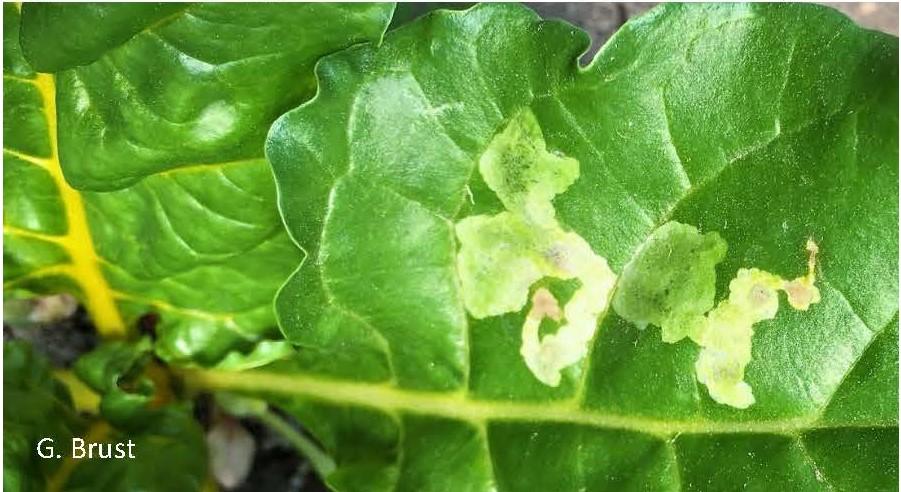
(85, 267)
(458, 406)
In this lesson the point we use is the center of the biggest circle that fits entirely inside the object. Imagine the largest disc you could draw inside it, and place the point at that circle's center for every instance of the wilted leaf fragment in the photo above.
(231, 450)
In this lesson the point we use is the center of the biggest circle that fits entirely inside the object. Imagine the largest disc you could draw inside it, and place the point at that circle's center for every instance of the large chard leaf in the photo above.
(135, 172)
(768, 124)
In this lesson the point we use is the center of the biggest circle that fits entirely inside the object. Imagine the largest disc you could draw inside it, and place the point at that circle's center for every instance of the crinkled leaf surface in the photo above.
(114, 371)
(768, 124)
(135, 173)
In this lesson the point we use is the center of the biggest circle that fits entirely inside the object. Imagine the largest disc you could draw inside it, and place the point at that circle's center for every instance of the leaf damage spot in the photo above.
(503, 255)
(671, 283)
(216, 121)
(726, 340)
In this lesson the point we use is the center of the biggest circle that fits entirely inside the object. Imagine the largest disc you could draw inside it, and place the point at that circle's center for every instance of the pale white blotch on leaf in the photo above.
(503, 255)
(215, 122)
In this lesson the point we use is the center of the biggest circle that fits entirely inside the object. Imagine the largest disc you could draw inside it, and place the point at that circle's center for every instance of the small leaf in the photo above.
(169, 454)
(264, 353)
(115, 370)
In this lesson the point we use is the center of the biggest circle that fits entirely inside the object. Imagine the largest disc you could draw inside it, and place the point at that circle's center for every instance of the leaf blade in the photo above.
(660, 124)
(169, 215)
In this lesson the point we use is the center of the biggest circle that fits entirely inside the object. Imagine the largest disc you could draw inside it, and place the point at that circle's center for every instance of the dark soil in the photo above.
(276, 466)
(62, 342)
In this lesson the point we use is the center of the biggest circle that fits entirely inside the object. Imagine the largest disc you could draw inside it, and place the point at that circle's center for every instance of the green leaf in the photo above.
(47, 34)
(263, 353)
(766, 124)
(37, 407)
(139, 177)
(112, 367)
(134, 400)
(170, 454)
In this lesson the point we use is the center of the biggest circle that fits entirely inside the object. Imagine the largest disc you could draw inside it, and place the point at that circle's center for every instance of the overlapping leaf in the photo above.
(38, 407)
(769, 124)
(135, 174)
